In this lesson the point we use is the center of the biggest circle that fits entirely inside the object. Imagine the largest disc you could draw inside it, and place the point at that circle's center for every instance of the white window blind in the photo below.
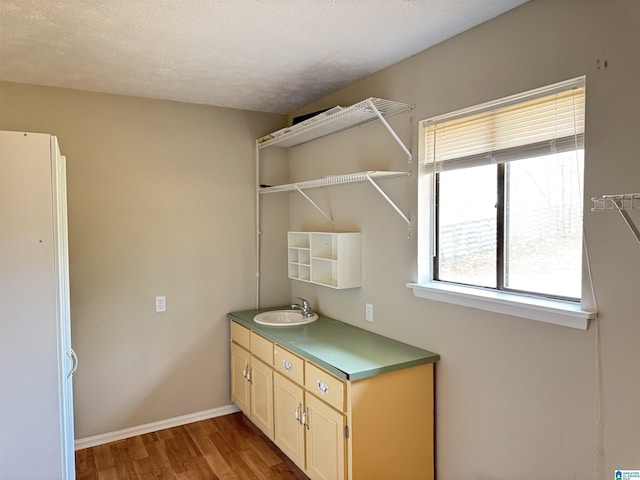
(550, 121)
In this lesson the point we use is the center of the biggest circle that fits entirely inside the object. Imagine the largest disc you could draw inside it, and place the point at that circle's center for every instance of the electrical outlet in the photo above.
(161, 304)
(368, 312)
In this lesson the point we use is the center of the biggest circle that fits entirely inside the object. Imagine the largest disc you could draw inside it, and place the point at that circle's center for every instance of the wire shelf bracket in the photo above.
(622, 203)
(317, 207)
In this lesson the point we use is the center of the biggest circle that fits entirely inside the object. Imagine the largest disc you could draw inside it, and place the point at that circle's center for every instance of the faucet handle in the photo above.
(305, 303)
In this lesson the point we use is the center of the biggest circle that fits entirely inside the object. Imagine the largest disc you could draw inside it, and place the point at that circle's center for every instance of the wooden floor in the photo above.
(225, 448)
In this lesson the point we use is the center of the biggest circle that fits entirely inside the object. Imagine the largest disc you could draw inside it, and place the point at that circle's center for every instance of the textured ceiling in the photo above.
(265, 55)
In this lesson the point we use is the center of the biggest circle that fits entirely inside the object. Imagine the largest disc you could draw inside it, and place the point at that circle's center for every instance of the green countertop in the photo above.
(348, 352)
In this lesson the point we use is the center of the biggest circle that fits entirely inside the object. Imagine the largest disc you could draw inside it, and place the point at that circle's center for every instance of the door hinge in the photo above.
(346, 431)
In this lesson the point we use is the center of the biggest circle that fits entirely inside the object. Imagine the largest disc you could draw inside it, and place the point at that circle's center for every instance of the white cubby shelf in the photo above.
(332, 259)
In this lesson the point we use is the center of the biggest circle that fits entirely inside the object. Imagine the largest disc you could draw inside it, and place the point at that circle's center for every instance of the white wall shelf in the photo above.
(331, 259)
(622, 202)
(338, 180)
(334, 180)
(335, 120)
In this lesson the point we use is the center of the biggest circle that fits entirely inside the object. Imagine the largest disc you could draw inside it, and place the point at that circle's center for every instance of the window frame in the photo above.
(544, 308)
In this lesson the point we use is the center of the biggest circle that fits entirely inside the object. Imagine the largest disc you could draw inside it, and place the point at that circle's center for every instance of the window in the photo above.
(501, 206)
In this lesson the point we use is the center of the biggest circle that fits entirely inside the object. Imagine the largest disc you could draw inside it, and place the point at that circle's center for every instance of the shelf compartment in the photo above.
(304, 256)
(349, 117)
(305, 272)
(324, 272)
(294, 270)
(324, 246)
(298, 271)
(298, 239)
(298, 255)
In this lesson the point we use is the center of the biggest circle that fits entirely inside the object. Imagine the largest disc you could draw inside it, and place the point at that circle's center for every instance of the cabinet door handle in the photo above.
(244, 371)
(249, 370)
(305, 418)
(298, 419)
(323, 387)
(288, 366)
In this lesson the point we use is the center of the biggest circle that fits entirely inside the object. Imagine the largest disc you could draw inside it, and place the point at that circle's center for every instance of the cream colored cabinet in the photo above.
(240, 386)
(326, 440)
(288, 401)
(308, 431)
(252, 377)
(262, 396)
(379, 427)
(311, 432)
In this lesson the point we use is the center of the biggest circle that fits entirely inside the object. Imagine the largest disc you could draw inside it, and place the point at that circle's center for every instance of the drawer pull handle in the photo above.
(323, 387)
(287, 365)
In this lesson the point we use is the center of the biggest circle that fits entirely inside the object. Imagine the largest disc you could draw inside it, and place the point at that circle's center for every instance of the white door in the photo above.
(35, 403)
(69, 361)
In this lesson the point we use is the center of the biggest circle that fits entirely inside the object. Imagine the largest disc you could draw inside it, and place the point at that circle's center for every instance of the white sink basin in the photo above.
(283, 318)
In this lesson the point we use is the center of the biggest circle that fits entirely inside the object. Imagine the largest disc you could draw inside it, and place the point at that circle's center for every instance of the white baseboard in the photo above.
(102, 438)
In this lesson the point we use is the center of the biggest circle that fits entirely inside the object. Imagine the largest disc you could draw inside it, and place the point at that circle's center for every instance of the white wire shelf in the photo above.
(342, 179)
(620, 202)
(333, 180)
(341, 119)
(623, 201)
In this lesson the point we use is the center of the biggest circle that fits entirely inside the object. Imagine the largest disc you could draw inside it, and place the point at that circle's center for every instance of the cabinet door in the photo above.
(288, 399)
(240, 387)
(262, 396)
(326, 442)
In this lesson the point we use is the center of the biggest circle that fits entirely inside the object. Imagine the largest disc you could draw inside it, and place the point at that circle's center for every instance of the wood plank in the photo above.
(136, 448)
(153, 467)
(103, 457)
(219, 465)
(230, 453)
(199, 470)
(109, 474)
(123, 461)
(86, 464)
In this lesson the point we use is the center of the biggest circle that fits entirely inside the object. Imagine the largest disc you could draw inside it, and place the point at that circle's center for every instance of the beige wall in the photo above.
(515, 398)
(160, 203)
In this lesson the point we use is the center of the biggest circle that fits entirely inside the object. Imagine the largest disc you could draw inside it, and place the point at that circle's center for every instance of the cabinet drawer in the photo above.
(262, 348)
(325, 386)
(289, 364)
(240, 335)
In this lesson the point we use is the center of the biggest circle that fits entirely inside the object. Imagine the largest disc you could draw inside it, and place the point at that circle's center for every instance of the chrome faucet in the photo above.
(305, 306)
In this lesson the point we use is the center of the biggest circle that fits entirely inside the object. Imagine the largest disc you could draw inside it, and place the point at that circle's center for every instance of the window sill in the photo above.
(557, 312)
